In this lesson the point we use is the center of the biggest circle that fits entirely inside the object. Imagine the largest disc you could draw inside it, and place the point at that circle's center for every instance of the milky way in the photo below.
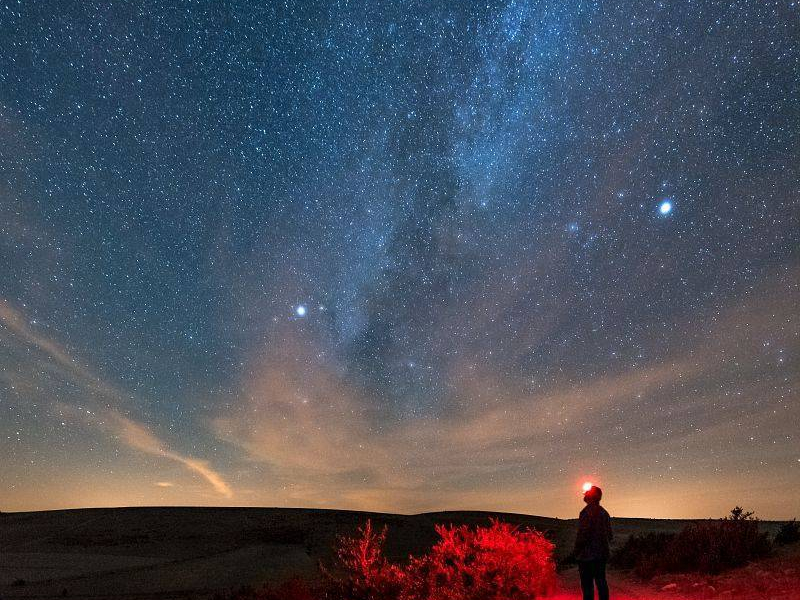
(400, 256)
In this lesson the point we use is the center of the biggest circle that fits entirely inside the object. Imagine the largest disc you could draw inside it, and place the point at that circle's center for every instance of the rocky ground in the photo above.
(774, 578)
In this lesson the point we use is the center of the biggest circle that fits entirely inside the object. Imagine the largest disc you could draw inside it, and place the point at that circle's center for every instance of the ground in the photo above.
(775, 578)
(171, 553)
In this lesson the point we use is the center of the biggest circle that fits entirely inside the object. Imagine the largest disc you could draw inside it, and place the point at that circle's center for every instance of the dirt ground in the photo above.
(171, 553)
(775, 578)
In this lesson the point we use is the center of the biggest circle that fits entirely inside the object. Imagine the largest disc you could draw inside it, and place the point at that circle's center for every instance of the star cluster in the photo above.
(400, 256)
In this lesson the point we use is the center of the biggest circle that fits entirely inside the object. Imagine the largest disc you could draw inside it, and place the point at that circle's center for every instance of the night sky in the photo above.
(401, 256)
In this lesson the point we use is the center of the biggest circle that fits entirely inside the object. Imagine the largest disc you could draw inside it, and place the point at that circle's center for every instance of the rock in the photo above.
(669, 586)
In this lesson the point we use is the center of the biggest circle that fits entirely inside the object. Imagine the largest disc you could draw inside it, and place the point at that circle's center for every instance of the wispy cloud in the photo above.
(137, 436)
(326, 443)
(17, 324)
(107, 415)
(316, 434)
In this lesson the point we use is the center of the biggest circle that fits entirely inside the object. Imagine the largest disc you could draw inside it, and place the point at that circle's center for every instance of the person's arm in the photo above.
(609, 530)
(584, 526)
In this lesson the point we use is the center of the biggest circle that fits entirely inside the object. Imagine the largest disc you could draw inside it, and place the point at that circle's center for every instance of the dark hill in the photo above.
(193, 552)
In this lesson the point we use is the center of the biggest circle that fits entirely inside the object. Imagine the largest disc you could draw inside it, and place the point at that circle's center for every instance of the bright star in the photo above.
(587, 486)
(300, 311)
(665, 207)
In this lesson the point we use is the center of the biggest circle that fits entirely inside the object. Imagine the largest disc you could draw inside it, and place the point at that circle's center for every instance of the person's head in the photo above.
(593, 495)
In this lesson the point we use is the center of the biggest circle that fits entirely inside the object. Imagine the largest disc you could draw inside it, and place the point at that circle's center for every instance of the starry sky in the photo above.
(401, 256)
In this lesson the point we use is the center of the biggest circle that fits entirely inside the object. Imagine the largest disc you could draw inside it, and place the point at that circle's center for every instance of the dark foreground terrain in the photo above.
(195, 552)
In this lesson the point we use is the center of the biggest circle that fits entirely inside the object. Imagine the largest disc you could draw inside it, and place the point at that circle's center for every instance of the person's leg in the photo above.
(587, 579)
(600, 579)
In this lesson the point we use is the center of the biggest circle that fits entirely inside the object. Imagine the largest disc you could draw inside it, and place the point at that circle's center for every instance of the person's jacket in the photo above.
(594, 534)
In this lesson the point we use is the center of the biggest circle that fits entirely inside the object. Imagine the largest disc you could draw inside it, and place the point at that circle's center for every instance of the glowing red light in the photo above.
(587, 486)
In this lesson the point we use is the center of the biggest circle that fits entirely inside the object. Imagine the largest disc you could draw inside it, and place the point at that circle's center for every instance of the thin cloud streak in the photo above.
(15, 321)
(139, 437)
(133, 434)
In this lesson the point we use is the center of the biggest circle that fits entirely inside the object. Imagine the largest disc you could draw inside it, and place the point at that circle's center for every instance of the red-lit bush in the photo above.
(368, 575)
(498, 562)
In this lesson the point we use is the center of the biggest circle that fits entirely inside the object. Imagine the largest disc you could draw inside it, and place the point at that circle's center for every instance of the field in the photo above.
(161, 553)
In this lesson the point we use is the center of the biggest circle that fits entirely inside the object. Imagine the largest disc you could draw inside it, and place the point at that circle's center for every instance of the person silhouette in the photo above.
(592, 545)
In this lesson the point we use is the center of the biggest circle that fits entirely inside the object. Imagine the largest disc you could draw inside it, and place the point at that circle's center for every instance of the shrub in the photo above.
(706, 546)
(368, 575)
(713, 546)
(789, 533)
(497, 562)
(640, 552)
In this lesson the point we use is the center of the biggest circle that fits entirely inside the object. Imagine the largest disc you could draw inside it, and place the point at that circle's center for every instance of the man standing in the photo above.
(591, 545)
